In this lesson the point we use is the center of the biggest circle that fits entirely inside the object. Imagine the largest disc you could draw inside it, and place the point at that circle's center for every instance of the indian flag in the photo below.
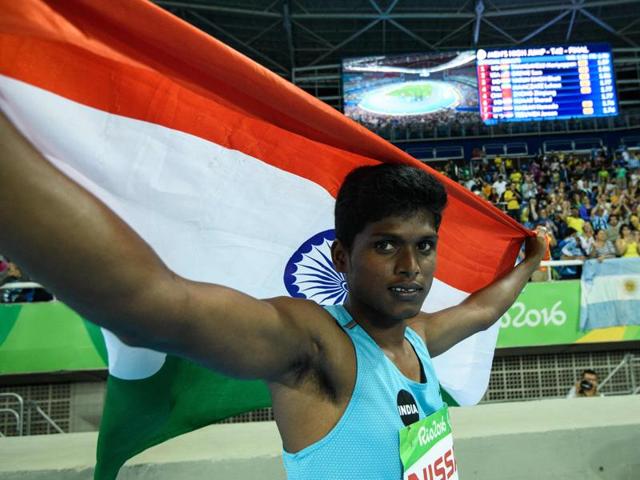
(229, 172)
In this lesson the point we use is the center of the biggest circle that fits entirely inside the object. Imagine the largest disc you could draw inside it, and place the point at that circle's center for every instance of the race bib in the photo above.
(426, 449)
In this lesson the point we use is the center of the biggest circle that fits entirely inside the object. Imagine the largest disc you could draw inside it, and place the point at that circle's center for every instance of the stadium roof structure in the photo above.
(288, 35)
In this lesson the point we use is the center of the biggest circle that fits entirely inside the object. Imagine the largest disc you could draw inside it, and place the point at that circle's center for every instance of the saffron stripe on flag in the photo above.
(118, 81)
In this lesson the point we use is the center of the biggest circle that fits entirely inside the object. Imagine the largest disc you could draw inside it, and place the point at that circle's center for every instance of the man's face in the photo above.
(390, 267)
(613, 221)
(593, 380)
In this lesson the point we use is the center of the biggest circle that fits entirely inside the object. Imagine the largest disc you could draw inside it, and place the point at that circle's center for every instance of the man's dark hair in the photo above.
(369, 194)
(589, 371)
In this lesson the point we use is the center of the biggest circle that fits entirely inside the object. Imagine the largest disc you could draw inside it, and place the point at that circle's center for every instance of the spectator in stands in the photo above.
(570, 250)
(500, 185)
(570, 246)
(621, 176)
(603, 175)
(9, 272)
(613, 230)
(587, 238)
(4, 269)
(541, 218)
(627, 244)
(584, 210)
(512, 198)
(603, 248)
(487, 190)
(586, 385)
(600, 217)
(529, 189)
(574, 220)
(634, 218)
(515, 176)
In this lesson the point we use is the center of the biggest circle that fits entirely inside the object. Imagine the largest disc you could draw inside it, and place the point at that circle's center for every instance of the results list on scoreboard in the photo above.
(546, 83)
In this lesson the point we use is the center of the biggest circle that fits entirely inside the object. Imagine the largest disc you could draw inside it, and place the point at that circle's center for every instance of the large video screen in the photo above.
(546, 83)
(398, 90)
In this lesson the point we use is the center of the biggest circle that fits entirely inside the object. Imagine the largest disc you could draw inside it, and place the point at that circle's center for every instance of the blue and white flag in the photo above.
(610, 293)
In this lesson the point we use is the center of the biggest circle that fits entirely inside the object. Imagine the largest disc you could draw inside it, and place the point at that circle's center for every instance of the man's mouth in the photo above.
(406, 291)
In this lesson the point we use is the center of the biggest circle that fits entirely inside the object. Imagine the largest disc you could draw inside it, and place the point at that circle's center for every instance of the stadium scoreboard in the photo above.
(546, 83)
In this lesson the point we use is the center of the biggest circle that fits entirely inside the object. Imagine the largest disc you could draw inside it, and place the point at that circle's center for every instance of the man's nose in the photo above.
(407, 263)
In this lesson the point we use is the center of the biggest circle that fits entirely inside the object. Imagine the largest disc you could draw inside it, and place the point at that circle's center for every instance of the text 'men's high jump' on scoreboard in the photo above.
(546, 83)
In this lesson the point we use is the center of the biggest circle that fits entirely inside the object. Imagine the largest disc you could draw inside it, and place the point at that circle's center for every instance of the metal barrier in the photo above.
(18, 414)
(559, 263)
(8, 289)
(577, 145)
(14, 285)
(632, 143)
(630, 362)
(437, 154)
(511, 149)
(42, 413)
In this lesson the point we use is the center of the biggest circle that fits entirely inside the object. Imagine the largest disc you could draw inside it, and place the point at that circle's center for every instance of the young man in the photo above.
(337, 376)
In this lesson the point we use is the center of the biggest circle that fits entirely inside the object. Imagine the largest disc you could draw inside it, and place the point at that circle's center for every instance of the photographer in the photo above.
(586, 386)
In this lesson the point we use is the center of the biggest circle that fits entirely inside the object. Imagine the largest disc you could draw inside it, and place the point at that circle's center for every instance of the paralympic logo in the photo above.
(310, 273)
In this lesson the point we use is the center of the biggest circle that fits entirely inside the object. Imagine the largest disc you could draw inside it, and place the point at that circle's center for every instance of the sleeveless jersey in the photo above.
(364, 444)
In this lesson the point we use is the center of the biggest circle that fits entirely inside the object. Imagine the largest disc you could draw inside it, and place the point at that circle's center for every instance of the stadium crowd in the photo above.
(589, 203)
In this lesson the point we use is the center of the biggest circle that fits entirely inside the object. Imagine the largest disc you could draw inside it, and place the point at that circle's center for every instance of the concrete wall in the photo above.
(86, 403)
(579, 439)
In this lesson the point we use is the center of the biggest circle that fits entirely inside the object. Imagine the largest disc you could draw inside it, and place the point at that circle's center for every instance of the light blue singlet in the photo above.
(364, 444)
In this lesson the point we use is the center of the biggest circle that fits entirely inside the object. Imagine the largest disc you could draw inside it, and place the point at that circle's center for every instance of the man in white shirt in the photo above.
(500, 185)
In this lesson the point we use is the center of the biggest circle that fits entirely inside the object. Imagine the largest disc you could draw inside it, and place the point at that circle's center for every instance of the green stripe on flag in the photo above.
(180, 398)
(448, 399)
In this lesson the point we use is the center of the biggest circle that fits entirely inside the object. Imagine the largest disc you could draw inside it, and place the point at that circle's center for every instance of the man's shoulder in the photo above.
(316, 320)
(302, 310)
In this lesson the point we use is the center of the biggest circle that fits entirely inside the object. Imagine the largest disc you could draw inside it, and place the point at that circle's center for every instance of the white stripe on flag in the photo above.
(212, 214)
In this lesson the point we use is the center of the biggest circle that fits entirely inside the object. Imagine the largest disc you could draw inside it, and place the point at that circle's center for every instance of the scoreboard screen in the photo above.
(546, 83)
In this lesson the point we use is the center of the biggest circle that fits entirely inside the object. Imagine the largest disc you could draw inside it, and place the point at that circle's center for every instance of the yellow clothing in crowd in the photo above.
(631, 250)
(576, 223)
(516, 177)
(511, 199)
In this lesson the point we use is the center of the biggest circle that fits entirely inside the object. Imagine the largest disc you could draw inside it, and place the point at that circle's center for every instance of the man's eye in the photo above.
(425, 246)
(384, 246)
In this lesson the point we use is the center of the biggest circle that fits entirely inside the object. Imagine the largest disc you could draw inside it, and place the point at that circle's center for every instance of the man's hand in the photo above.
(482, 309)
(536, 247)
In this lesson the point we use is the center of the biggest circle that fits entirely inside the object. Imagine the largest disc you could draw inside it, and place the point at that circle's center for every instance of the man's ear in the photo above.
(340, 256)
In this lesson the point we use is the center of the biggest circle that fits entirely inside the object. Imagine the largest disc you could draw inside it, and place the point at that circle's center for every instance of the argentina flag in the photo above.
(610, 293)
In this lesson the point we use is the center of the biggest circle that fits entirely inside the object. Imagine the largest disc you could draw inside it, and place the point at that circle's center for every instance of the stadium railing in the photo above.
(451, 131)
(579, 145)
(513, 149)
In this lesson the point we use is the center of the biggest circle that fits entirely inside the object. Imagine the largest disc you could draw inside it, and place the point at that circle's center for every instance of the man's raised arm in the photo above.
(68, 240)
(483, 308)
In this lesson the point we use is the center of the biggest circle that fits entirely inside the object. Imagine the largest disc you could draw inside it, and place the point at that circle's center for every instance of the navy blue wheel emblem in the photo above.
(310, 273)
